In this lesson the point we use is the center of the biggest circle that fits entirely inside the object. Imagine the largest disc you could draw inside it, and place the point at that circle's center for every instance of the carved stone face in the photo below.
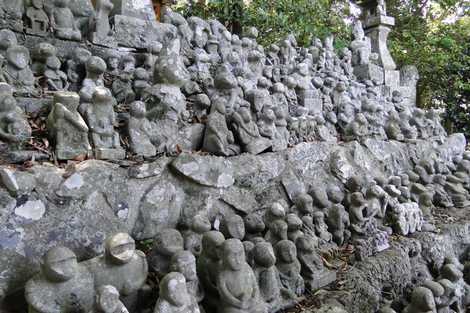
(264, 254)
(173, 289)
(7, 39)
(38, 4)
(211, 241)
(107, 298)
(233, 254)
(184, 262)
(279, 229)
(137, 109)
(113, 63)
(305, 203)
(59, 264)
(120, 248)
(286, 251)
(169, 241)
(18, 56)
(254, 223)
(235, 227)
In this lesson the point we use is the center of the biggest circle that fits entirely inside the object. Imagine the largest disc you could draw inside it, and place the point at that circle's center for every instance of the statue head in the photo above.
(263, 254)
(201, 224)
(173, 289)
(59, 264)
(254, 223)
(70, 100)
(137, 109)
(294, 223)
(95, 65)
(7, 39)
(286, 251)
(168, 242)
(107, 298)
(53, 63)
(233, 254)
(211, 243)
(120, 248)
(18, 56)
(304, 203)
(113, 61)
(279, 229)
(37, 4)
(184, 262)
(233, 227)
(170, 69)
(81, 55)
(423, 299)
(102, 96)
(305, 245)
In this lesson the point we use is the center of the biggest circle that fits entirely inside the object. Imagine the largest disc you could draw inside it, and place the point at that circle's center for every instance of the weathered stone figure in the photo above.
(67, 128)
(233, 226)
(102, 27)
(16, 72)
(199, 225)
(236, 282)
(174, 297)
(95, 68)
(289, 267)
(62, 286)
(14, 128)
(218, 139)
(63, 21)
(107, 300)
(121, 266)
(267, 275)
(140, 131)
(37, 19)
(184, 262)
(101, 119)
(56, 80)
(360, 46)
(166, 244)
(208, 264)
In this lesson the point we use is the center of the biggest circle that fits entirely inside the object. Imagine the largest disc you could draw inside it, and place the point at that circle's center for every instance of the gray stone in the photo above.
(207, 171)
(107, 300)
(37, 19)
(63, 21)
(174, 296)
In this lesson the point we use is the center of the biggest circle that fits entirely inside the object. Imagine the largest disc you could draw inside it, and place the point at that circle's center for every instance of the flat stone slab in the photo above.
(205, 170)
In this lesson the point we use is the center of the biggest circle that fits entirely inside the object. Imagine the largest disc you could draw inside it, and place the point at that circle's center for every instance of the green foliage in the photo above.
(435, 38)
(275, 19)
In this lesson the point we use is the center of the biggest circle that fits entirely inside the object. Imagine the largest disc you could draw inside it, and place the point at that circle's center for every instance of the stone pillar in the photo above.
(377, 29)
(140, 9)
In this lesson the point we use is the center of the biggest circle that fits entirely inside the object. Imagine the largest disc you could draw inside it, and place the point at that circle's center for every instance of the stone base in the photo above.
(107, 41)
(377, 20)
(371, 72)
(110, 154)
(321, 279)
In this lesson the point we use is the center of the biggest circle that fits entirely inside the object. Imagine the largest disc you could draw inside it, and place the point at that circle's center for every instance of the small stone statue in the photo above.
(294, 227)
(312, 269)
(107, 300)
(289, 267)
(200, 224)
(360, 46)
(248, 134)
(338, 223)
(123, 83)
(16, 72)
(233, 226)
(101, 119)
(422, 301)
(208, 264)
(95, 68)
(166, 244)
(67, 128)
(141, 82)
(274, 213)
(140, 131)
(218, 139)
(184, 262)
(37, 21)
(14, 128)
(254, 226)
(121, 265)
(7, 40)
(101, 25)
(40, 54)
(76, 68)
(63, 285)
(63, 21)
(267, 275)
(303, 205)
(174, 296)
(236, 282)
(56, 80)
(277, 231)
